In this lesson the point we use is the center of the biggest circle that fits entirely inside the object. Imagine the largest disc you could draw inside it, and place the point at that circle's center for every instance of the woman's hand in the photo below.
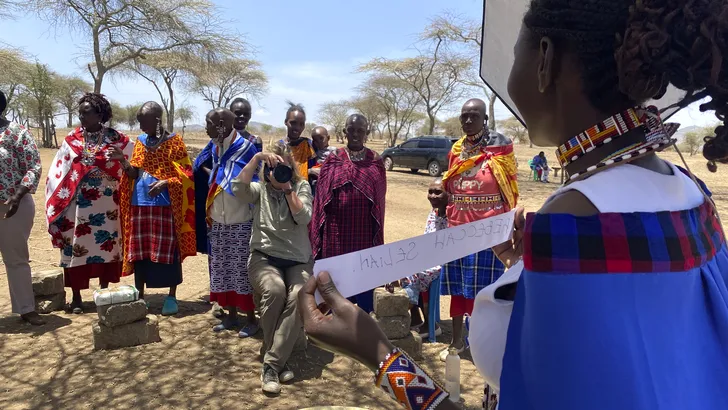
(347, 330)
(510, 251)
(286, 186)
(157, 188)
(270, 159)
(116, 154)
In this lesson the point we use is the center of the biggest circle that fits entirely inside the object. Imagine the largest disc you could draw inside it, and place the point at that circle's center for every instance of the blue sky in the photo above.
(309, 49)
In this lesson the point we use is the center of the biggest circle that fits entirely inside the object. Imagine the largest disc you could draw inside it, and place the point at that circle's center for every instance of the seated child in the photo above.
(418, 284)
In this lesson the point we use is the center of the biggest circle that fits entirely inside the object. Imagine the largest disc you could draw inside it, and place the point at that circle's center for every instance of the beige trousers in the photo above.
(278, 291)
(14, 235)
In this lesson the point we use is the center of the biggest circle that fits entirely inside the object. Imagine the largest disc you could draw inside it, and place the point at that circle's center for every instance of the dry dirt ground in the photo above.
(55, 367)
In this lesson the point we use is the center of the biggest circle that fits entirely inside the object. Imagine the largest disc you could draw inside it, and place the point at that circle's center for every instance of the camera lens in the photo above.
(282, 173)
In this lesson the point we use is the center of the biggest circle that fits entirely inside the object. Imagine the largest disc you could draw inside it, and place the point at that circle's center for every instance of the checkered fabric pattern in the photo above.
(622, 243)
(348, 211)
(471, 274)
(152, 235)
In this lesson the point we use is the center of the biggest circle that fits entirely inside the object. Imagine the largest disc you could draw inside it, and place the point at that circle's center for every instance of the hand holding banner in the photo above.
(360, 271)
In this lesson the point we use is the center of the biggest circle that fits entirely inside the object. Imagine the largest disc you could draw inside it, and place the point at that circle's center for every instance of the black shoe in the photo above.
(286, 374)
(270, 380)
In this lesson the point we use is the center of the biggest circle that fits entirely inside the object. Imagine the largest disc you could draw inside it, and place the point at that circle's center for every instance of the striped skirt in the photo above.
(229, 251)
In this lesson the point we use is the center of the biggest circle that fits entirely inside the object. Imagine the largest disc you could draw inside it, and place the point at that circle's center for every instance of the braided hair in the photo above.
(632, 50)
(293, 107)
(100, 104)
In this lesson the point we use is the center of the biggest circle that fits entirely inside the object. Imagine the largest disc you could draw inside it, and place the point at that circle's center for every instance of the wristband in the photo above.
(401, 378)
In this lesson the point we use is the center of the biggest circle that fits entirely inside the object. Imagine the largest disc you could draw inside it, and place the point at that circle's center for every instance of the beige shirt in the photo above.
(276, 231)
(227, 209)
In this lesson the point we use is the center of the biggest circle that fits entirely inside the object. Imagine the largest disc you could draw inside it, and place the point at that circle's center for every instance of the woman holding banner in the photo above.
(481, 181)
(619, 282)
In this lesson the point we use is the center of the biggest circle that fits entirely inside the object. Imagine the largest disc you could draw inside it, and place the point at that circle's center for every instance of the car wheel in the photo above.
(414, 170)
(434, 169)
(388, 164)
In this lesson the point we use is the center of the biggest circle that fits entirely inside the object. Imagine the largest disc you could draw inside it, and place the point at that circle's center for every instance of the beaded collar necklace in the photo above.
(356, 156)
(471, 148)
(657, 137)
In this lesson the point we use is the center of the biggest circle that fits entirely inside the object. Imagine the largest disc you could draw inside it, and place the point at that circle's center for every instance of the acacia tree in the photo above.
(218, 82)
(436, 76)
(69, 89)
(397, 100)
(334, 114)
(452, 127)
(513, 128)
(15, 71)
(41, 90)
(130, 119)
(123, 30)
(457, 29)
(185, 115)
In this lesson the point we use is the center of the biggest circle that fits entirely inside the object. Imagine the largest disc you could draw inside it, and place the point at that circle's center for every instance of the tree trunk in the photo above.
(491, 111)
(432, 118)
(170, 113)
(69, 123)
(98, 81)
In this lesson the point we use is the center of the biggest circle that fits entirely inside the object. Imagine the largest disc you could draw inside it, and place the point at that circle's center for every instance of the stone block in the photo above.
(122, 313)
(141, 332)
(394, 327)
(390, 304)
(412, 344)
(50, 303)
(48, 282)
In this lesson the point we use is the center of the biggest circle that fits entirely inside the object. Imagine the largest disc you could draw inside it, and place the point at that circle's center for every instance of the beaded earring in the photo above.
(221, 131)
(160, 130)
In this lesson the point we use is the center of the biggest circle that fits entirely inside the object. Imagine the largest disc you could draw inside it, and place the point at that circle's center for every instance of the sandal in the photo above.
(75, 307)
(225, 324)
(170, 306)
(249, 330)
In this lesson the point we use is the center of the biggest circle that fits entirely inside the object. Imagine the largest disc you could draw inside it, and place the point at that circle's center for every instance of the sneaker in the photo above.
(286, 374)
(34, 319)
(270, 380)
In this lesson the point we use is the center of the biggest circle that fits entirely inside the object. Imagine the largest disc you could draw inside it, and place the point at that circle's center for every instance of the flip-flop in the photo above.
(170, 306)
(249, 330)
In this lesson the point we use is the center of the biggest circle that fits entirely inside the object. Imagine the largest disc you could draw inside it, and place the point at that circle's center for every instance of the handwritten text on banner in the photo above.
(358, 272)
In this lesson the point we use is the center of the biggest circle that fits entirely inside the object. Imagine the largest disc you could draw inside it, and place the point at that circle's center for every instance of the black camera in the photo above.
(281, 173)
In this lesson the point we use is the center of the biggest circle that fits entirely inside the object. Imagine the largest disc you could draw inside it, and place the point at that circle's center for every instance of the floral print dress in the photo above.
(88, 230)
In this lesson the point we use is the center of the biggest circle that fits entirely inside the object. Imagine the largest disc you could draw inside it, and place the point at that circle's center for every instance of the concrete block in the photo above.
(50, 303)
(122, 313)
(412, 344)
(142, 332)
(390, 304)
(48, 282)
(394, 327)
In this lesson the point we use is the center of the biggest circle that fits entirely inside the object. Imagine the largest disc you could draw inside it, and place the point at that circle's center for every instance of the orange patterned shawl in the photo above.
(169, 162)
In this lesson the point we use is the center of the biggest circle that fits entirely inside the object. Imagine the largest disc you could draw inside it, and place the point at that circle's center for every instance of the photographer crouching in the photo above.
(280, 259)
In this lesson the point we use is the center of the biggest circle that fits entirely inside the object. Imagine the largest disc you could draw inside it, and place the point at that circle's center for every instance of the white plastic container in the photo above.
(452, 375)
(122, 294)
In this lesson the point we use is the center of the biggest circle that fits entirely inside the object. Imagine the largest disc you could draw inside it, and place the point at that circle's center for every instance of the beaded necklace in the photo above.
(92, 142)
(470, 149)
(657, 137)
(356, 156)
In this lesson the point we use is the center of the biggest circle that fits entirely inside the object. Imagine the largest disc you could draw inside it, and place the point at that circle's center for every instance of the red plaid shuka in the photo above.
(348, 211)
(152, 235)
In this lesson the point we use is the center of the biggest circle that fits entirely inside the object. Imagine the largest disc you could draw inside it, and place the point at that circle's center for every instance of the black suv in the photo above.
(426, 152)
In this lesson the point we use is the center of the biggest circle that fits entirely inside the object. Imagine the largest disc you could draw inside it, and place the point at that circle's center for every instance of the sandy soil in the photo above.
(55, 367)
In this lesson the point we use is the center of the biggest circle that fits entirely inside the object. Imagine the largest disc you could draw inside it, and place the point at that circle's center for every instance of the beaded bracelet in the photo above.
(401, 378)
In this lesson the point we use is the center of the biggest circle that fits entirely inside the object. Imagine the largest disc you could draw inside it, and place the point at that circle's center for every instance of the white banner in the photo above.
(358, 272)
